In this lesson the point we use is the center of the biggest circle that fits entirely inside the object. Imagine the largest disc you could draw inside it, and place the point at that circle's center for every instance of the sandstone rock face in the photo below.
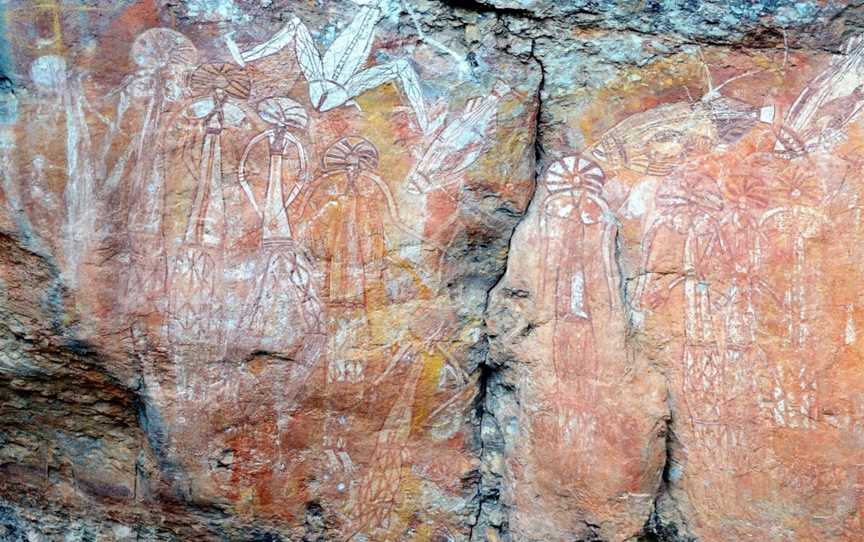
(394, 270)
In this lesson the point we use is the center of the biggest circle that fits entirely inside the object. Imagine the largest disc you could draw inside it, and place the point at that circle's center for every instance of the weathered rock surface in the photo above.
(431, 270)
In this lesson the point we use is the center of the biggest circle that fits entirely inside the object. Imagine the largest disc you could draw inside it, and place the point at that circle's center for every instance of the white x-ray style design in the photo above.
(337, 77)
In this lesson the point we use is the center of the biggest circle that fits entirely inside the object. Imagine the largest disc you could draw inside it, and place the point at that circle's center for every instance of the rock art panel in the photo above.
(420, 270)
(673, 304)
(259, 231)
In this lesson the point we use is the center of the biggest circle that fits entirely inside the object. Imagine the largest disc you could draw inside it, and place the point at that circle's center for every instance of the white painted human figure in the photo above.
(196, 273)
(577, 229)
(52, 79)
(337, 77)
(579, 280)
(342, 222)
(163, 57)
(790, 227)
(284, 308)
(690, 207)
(343, 219)
(343, 215)
(283, 314)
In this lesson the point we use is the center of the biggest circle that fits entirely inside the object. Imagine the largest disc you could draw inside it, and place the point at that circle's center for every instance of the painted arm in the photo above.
(276, 43)
(388, 197)
(304, 170)
(241, 169)
(610, 228)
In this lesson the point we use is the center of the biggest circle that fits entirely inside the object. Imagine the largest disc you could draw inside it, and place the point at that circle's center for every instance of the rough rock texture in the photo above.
(431, 270)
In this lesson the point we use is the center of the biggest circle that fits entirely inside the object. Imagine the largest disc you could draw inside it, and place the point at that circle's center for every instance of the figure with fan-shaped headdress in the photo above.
(163, 58)
(579, 281)
(343, 213)
(196, 273)
(689, 210)
(283, 313)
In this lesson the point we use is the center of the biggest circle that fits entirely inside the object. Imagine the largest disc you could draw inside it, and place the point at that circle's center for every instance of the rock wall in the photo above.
(431, 270)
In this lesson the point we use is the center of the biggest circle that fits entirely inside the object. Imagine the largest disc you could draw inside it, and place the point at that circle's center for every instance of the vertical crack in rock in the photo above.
(491, 519)
(667, 523)
(684, 428)
(626, 303)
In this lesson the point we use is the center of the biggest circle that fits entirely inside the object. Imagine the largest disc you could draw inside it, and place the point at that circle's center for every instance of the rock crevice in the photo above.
(431, 270)
(491, 521)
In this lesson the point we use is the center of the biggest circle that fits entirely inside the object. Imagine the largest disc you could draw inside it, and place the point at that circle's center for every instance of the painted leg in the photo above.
(276, 43)
(310, 64)
(399, 70)
(351, 48)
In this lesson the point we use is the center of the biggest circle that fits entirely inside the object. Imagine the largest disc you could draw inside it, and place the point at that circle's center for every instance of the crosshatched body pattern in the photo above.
(230, 203)
(688, 253)
(392, 270)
